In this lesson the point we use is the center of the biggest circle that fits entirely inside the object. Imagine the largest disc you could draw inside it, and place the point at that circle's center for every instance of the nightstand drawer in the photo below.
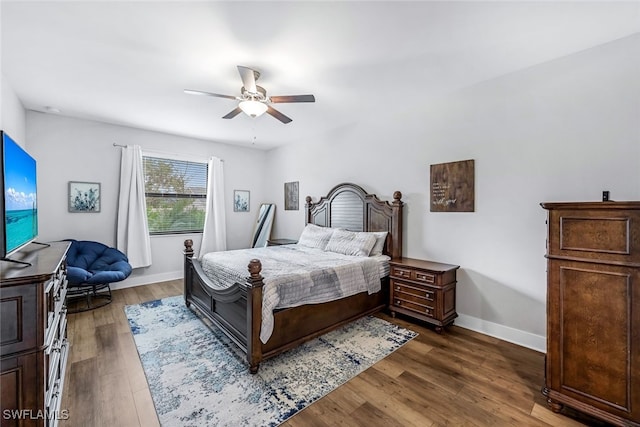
(402, 272)
(425, 277)
(411, 274)
(422, 292)
(425, 310)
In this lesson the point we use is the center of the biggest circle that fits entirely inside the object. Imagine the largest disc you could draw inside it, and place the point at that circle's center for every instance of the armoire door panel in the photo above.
(600, 235)
(595, 357)
(605, 235)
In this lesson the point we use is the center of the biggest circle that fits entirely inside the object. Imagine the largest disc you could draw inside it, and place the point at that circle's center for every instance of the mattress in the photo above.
(294, 275)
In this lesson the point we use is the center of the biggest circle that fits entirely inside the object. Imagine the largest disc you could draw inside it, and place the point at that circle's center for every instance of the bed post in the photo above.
(307, 207)
(188, 271)
(254, 316)
(188, 248)
(396, 232)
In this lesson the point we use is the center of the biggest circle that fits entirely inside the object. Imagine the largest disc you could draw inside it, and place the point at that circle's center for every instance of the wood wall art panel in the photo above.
(452, 187)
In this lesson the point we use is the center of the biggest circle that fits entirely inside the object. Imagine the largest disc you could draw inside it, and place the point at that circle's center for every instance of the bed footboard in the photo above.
(236, 310)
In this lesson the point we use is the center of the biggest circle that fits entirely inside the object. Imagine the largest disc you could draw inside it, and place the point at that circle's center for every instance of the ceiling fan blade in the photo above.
(217, 95)
(278, 115)
(248, 77)
(233, 113)
(292, 98)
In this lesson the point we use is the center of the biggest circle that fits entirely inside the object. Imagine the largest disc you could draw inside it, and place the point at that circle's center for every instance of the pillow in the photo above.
(381, 239)
(314, 236)
(351, 243)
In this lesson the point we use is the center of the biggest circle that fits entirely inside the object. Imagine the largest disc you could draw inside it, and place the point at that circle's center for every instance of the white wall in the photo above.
(12, 113)
(562, 130)
(68, 149)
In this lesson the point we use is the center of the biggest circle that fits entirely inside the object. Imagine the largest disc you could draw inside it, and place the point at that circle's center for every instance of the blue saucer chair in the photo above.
(91, 268)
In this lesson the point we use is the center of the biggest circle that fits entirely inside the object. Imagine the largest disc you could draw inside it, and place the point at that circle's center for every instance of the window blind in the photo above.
(176, 192)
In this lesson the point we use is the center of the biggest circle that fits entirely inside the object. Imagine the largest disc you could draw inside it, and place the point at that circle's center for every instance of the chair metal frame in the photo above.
(90, 292)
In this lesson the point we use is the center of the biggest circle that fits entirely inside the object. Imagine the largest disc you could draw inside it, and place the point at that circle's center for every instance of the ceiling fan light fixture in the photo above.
(253, 108)
(253, 99)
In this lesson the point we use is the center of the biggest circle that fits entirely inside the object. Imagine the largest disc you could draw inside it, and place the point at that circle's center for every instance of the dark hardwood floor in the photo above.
(457, 378)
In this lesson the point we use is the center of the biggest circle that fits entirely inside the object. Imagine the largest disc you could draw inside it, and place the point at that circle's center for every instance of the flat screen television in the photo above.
(18, 204)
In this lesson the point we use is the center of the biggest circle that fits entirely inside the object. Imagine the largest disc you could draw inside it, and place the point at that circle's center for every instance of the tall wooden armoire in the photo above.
(593, 309)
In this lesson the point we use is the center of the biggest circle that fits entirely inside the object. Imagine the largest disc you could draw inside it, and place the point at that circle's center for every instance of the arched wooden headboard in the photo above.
(349, 206)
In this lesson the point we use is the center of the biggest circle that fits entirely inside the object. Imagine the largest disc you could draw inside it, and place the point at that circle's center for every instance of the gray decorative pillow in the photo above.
(314, 236)
(351, 243)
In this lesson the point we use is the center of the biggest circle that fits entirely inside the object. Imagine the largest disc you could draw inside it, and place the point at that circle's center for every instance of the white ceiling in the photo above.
(128, 62)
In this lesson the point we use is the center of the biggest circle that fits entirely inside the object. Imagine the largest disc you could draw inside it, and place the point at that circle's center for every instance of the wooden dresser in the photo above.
(33, 342)
(424, 290)
(593, 309)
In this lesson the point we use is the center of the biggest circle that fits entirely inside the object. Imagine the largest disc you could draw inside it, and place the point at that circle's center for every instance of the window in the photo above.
(176, 193)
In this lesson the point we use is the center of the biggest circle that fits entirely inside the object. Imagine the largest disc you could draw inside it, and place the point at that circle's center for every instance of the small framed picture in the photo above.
(84, 196)
(240, 201)
(291, 196)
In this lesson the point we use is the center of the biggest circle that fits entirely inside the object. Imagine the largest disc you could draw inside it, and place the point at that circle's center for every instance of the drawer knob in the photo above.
(397, 288)
(398, 302)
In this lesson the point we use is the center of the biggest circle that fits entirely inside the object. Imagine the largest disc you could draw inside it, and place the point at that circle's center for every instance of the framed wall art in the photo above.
(291, 196)
(240, 201)
(84, 196)
(452, 187)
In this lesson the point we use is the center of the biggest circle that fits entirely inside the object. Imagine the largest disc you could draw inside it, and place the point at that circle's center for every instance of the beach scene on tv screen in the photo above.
(21, 220)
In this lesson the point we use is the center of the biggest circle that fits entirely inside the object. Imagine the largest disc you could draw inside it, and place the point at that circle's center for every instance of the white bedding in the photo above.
(295, 275)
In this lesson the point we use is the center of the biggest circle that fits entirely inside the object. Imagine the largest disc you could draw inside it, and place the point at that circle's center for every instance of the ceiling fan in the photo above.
(253, 98)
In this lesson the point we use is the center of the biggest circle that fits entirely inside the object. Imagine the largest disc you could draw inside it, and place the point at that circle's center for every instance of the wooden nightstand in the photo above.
(278, 242)
(424, 290)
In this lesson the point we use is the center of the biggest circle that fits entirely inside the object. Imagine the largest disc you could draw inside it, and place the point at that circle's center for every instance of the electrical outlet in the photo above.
(605, 196)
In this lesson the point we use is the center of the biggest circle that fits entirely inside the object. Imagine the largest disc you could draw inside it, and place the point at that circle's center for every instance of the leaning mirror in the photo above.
(262, 232)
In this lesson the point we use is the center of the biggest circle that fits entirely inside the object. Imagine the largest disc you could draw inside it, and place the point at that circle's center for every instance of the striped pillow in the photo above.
(314, 236)
(351, 243)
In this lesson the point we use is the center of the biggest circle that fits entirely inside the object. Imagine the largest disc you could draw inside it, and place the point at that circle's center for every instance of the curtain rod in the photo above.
(160, 152)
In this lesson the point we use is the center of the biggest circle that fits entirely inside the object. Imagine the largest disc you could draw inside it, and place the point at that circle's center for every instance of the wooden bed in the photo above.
(236, 311)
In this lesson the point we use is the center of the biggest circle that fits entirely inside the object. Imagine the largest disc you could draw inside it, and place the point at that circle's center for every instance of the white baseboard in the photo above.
(506, 333)
(147, 279)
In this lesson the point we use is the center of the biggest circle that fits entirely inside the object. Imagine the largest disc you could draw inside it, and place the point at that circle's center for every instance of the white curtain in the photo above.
(214, 235)
(133, 230)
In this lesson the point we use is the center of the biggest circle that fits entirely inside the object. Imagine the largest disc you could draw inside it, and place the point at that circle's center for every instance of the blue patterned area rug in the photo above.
(198, 377)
